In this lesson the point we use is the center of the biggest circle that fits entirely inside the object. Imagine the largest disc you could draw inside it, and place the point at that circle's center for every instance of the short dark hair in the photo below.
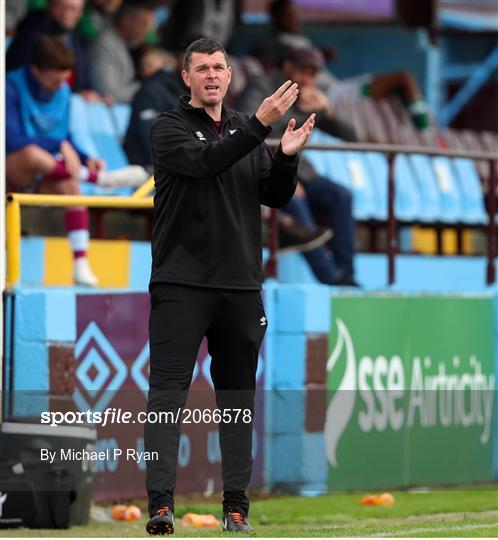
(204, 46)
(51, 52)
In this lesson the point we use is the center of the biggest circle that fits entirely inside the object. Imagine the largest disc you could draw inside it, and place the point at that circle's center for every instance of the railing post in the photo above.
(392, 241)
(271, 265)
(13, 241)
(493, 181)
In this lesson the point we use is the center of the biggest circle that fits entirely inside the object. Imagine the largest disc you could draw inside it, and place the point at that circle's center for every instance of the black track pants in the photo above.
(234, 324)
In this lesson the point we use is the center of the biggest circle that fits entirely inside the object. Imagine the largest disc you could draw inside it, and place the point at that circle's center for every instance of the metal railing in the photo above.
(391, 151)
(13, 218)
(140, 199)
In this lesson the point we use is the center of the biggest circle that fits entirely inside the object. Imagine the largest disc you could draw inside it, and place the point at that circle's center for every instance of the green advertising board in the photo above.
(410, 391)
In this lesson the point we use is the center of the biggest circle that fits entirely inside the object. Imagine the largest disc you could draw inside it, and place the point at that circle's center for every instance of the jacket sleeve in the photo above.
(176, 150)
(277, 180)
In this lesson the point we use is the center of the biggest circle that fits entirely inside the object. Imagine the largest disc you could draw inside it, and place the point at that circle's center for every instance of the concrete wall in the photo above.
(50, 324)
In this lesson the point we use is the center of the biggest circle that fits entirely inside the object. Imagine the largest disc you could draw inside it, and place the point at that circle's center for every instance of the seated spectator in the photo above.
(98, 15)
(210, 18)
(159, 92)
(400, 83)
(58, 19)
(287, 34)
(40, 156)
(318, 197)
(150, 59)
(113, 70)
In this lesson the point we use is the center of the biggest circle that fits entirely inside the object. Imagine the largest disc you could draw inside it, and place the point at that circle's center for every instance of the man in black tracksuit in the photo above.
(212, 171)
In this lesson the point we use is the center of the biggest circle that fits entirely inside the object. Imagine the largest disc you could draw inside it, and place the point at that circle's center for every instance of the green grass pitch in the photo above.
(470, 512)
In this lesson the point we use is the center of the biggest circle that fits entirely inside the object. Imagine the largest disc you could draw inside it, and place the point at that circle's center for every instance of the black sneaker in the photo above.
(293, 236)
(346, 281)
(162, 522)
(235, 522)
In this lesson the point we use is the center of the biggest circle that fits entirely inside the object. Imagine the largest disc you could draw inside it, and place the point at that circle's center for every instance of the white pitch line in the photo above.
(423, 530)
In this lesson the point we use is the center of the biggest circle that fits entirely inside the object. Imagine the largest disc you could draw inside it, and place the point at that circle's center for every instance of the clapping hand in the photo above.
(294, 140)
(275, 106)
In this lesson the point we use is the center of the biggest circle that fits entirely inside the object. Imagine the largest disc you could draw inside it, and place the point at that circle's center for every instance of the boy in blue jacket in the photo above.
(40, 155)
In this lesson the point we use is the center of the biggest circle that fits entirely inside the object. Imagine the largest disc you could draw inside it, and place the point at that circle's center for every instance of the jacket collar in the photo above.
(226, 113)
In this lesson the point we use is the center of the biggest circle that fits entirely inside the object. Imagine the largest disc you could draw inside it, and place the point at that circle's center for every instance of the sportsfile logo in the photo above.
(385, 393)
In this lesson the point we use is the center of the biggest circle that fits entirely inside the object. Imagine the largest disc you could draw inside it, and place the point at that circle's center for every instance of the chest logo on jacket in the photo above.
(200, 135)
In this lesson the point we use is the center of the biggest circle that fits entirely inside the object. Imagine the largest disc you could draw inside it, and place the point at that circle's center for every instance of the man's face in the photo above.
(208, 77)
(66, 12)
(304, 77)
(51, 79)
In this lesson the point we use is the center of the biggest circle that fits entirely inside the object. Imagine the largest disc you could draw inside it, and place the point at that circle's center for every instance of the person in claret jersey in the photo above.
(212, 172)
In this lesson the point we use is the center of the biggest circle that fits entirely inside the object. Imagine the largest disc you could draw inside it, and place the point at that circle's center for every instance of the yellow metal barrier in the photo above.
(13, 218)
(145, 189)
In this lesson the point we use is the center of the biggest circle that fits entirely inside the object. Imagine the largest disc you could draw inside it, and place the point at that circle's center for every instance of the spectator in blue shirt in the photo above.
(40, 155)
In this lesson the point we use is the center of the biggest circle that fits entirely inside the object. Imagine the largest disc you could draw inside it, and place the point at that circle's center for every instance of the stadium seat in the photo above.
(408, 200)
(93, 132)
(120, 114)
(80, 127)
(349, 111)
(93, 129)
(347, 169)
(430, 210)
(365, 194)
(104, 134)
(328, 164)
(377, 132)
(470, 186)
(407, 196)
(377, 165)
(449, 190)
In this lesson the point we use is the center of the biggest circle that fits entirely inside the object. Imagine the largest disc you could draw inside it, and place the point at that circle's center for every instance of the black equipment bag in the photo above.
(35, 495)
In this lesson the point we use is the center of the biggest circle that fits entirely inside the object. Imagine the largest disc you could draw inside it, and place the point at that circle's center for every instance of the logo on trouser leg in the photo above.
(263, 321)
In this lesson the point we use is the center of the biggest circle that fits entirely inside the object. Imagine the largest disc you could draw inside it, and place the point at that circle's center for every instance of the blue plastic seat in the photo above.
(467, 177)
(377, 166)
(407, 202)
(80, 127)
(93, 130)
(104, 135)
(431, 207)
(327, 163)
(120, 113)
(449, 190)
(347, 169)
(364, 202)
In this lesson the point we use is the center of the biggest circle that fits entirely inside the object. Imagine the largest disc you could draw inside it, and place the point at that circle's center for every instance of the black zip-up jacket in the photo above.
(207, 222)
